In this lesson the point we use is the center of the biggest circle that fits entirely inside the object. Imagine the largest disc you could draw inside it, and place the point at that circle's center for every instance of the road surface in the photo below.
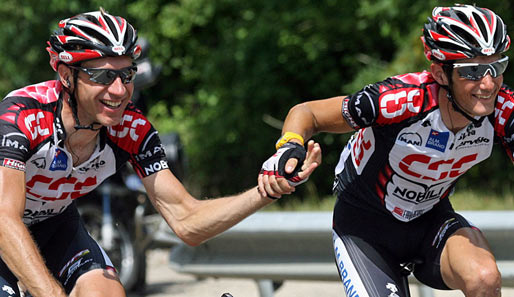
(162, 281)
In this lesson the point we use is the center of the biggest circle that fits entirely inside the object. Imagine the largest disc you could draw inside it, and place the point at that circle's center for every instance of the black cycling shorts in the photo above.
(372, 249)
(67, 248)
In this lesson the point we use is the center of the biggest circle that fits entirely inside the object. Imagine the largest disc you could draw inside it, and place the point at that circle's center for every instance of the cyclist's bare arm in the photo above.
(17, 248)
(307, 119)
(195, 221)
(316, 116)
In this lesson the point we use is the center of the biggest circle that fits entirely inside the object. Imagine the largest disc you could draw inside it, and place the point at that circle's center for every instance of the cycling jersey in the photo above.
(33, 141)
(403, 159)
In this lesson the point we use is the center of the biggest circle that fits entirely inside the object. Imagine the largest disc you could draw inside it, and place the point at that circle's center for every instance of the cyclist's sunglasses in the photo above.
(107, 76)
(475, 71)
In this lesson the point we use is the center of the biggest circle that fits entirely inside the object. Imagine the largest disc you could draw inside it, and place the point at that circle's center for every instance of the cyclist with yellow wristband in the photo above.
(415, 135)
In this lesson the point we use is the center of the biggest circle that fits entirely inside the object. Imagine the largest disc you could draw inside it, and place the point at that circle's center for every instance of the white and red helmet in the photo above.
(92, 35)
(463, 31)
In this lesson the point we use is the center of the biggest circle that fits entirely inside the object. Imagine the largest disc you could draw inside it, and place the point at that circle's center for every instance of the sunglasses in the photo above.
(475, 71)
(107, 76)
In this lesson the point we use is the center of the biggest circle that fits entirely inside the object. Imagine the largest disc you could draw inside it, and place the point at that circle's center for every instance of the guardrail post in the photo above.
(265, 287)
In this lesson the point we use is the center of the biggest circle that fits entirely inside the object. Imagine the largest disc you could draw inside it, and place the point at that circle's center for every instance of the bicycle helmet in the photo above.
(87, 36)
(463, 31)
(92, 35)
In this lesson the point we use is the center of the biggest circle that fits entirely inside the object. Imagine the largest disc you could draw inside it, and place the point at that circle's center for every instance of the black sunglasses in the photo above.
(107, 76)
(475, 71)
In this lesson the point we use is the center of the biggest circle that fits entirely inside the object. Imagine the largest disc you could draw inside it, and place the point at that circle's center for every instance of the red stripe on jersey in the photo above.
(9, 117)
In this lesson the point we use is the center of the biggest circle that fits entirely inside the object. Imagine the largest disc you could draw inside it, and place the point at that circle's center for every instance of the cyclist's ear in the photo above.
(65, 75)
(439, 74)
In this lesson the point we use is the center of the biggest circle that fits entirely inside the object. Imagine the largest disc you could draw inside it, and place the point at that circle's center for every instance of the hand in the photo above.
(275, 185)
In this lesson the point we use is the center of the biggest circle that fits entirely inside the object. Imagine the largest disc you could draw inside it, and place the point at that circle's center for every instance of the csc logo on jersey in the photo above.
(395, 103)
(363, 146)
(424, 167)
(503, 110)
(128, 127)
(36, 124)
(131, 132)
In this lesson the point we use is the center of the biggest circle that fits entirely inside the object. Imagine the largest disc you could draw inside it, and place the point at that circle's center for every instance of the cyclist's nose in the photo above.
(117, 87)
(487, 82)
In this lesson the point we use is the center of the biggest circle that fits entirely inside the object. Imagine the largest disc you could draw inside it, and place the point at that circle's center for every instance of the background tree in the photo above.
(231, 70)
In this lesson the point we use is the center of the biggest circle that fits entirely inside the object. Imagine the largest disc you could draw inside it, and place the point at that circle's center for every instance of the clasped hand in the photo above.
(279, 174)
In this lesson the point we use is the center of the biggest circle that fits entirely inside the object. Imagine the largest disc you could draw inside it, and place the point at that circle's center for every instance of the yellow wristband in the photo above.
(286, 137)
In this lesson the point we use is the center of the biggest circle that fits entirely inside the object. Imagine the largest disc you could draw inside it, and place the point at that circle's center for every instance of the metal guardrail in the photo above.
(271, 247)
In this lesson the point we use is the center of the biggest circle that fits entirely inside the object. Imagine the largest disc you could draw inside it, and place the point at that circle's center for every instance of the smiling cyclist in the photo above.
(416, 134)
(62, 138)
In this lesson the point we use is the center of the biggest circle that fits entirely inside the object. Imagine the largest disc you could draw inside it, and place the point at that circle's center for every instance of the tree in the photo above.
(231, 69)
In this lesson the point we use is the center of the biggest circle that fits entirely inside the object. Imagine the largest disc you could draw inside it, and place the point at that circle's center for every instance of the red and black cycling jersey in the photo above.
(403, 159)
(33, 140)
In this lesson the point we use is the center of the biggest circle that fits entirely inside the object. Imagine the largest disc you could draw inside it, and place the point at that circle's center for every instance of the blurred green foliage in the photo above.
(231, 69)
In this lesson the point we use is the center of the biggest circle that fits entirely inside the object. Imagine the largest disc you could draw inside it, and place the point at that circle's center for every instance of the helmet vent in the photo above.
(97, 36)
(462, 17)
(465, 35)
(481, 25)
(112, 27)
(92, 19)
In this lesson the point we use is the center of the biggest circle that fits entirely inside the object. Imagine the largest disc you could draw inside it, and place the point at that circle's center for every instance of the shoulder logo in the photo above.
(14, 140)
(394, 104)
(438, 140)
(129, 127)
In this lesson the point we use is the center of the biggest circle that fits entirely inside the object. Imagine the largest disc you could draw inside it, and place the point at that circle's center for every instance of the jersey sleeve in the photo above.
(20, 129)
(360, 109)
(390, 101)
(136, 135)
(151, 157)
(504, 120)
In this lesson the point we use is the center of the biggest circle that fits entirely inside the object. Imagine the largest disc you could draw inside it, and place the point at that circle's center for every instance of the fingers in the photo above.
(313, 154)
(305, 173)
(273, 186)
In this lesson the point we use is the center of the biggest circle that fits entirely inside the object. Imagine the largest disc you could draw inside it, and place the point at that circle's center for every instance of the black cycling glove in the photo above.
(276, 164)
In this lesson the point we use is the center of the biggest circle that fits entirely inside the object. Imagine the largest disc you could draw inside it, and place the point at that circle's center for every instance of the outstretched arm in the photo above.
(195, 221)
(17, 248)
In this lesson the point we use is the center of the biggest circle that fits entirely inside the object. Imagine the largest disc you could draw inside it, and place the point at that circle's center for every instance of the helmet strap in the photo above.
(72, 101)
(448, 69)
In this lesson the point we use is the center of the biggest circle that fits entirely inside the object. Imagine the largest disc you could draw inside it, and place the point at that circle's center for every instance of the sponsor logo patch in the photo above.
(438, 140)
(65, 57)
(60, 161)
(14, 164)
(411, 138)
